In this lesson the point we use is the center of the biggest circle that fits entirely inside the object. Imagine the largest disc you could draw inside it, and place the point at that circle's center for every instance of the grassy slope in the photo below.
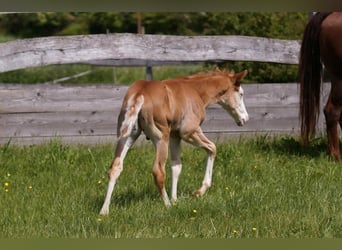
(262, 188)
(98, 75)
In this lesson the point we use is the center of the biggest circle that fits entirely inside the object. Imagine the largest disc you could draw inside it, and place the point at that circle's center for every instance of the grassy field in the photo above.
(263, 187)
(97, 74)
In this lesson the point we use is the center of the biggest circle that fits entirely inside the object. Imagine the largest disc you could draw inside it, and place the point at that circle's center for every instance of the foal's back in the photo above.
(178, 90)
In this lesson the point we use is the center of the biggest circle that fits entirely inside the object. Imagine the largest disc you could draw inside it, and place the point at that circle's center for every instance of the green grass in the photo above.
(6, 38)
(98, 75)
(263, 187)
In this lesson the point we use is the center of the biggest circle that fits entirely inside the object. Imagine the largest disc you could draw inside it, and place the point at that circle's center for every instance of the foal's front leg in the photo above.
(197, 138)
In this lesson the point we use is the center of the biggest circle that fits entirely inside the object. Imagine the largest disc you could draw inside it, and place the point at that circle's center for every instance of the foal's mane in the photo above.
(210, 73)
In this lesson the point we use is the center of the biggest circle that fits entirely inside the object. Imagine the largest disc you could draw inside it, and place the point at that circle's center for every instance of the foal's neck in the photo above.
(210, 89)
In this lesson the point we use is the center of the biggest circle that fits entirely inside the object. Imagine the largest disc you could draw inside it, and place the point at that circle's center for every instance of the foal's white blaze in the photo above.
(241, 108)
(235, 105)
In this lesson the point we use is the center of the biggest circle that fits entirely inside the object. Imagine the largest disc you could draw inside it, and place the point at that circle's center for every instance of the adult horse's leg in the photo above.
(159, 167)
(333, 117)
(124, 144)
(198, 139)
(176, 165)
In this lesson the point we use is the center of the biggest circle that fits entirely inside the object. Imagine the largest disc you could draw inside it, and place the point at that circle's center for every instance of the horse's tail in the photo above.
(129, 115)
(310, 77)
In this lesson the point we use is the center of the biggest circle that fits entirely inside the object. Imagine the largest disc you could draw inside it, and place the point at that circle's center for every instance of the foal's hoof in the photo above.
(198, 193)
(167, 203)
(173, 203)
(104, 211)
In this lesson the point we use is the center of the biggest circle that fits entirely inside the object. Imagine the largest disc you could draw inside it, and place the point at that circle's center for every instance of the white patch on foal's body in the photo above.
(133, 108)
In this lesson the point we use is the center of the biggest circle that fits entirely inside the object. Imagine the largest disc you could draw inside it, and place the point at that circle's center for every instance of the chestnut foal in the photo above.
(171, 110)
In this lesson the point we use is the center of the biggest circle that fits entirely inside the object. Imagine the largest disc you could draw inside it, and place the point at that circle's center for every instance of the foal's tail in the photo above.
(129, 116)
(310, 77)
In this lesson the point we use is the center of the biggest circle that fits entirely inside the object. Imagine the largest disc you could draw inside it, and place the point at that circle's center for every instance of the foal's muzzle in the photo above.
(242, 121)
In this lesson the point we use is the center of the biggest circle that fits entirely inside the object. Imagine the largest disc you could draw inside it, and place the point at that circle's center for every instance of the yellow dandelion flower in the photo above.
(30, 187)
(8, 174)
(99, 182)
(194, 211)
(6, 184)
(6, 190)
(235, 231)
(254, 229)
(227, 188)
(99, 219)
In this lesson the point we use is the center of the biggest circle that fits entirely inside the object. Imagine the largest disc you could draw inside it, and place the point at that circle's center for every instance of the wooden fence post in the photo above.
(149, 73)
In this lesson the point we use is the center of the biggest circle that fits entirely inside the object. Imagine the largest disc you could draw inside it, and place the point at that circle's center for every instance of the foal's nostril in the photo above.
(243, 121)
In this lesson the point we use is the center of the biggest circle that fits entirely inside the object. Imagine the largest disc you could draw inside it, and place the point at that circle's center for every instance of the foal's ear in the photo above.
(240, 76)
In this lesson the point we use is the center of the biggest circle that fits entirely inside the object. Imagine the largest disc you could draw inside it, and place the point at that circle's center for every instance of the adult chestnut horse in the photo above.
(169, 111)
(322, 43)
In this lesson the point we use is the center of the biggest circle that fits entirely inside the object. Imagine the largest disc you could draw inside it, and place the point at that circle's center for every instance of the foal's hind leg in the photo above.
(197, 138)
(159, 168)
(114, 172)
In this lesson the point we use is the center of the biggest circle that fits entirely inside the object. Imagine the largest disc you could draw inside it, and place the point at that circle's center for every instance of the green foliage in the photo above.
(35, 24)
(263, 187)
(283, 25)
(112, 23)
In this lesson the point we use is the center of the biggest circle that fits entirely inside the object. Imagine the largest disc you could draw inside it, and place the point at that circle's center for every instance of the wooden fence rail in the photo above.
(32, 114)
(143, 50)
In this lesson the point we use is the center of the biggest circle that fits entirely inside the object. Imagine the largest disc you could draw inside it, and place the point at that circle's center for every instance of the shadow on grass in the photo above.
(124, 199)
(288, 145)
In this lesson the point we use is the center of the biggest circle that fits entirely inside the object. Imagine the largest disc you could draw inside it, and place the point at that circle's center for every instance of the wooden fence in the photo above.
(87, 114)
